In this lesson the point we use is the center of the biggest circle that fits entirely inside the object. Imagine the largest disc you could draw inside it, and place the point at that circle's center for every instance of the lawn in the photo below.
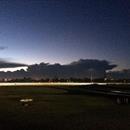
(54, 108)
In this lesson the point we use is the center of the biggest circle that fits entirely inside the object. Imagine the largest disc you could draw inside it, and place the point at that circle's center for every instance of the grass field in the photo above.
(57, 109)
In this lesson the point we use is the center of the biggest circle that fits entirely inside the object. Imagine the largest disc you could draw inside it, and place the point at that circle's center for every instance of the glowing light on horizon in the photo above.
(56, 84)
(13, 69)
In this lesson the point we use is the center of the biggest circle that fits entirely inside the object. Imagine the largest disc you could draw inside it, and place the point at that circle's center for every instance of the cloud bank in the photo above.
(7, 64)
(83, 68)
(123, 74)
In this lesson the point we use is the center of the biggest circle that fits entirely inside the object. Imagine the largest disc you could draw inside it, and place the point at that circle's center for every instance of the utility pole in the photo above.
(91, 75)
(91, 78)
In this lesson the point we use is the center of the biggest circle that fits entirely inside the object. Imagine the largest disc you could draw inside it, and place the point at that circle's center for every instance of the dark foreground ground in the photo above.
(54, 108)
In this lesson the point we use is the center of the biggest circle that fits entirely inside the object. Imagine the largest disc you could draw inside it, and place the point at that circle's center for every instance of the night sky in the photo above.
(62, 31)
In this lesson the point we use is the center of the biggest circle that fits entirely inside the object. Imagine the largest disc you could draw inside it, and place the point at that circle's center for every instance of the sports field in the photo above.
(55, 108)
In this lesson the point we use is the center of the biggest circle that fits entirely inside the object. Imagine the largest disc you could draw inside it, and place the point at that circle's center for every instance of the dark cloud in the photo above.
(123, 74)
(83, 68)
(79, 69)
(3, 47)
(7, 64)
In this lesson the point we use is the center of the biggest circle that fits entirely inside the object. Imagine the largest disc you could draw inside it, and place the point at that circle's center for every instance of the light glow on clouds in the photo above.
(13, 69)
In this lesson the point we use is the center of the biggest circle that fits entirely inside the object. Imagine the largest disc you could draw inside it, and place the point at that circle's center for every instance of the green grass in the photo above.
(56, 109)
